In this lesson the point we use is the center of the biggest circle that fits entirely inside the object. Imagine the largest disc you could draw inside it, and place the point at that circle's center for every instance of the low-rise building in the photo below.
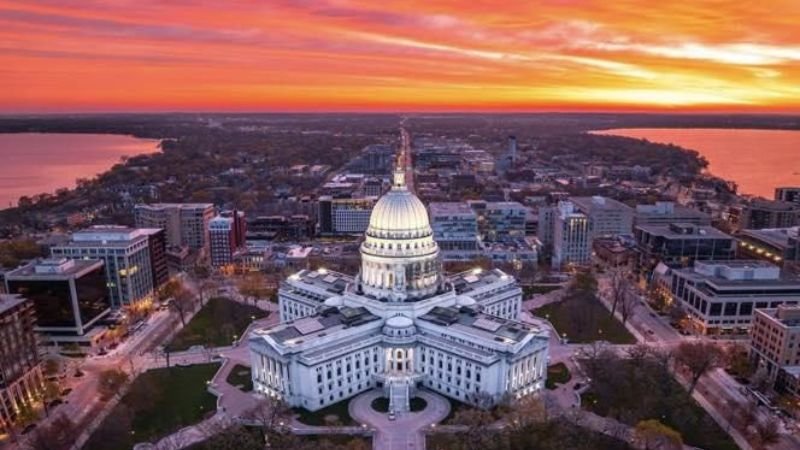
(681, 244)
(775, 346)
(20, 368)
(780, 246)
(721, 296)
(665, 213)
(759, 213)
(70, 298)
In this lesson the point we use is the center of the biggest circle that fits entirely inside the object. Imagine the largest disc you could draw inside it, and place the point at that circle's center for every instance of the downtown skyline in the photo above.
(693, 56)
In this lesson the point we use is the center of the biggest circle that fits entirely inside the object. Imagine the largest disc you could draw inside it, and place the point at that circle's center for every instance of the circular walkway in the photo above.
(403, 432)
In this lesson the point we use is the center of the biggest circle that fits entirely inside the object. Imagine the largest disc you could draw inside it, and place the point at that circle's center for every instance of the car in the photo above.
(392, 416)
(577, 386)
(29, 428)
(66, 392)
(650, 332)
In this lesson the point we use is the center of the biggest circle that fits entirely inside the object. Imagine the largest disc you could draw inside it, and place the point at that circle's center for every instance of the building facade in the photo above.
(665, 213)
(775, 346)
(400, 325)
(455, 229)
(69, 296)
(344, 215)
(607, 217)
(572, 236)
(20, 368)
(185, 224)
(126, 256)
(722, 296)
(222, 241)
(780, 246)
(681, 244)
(758, 213)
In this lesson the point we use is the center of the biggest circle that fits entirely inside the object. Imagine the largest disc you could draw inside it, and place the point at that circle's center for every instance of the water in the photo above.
(757, 160)
(34, 163)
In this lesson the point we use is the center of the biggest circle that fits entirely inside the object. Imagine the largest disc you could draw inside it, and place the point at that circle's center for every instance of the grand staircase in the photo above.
(399, 393)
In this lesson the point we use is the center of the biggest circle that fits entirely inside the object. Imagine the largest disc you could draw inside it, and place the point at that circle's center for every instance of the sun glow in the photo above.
(399, 55)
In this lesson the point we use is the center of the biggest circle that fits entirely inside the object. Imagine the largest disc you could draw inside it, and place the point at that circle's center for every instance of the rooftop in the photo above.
(50, 269)
(9, 301)
(598, 202)
(443, 208)
(480, 325)
(330, 281)
(328, 320)
(684, 231)
(477, 278)
(776, 237)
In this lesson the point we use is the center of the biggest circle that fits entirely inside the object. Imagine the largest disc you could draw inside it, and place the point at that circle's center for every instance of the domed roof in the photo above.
(399, 322)
(398, 210)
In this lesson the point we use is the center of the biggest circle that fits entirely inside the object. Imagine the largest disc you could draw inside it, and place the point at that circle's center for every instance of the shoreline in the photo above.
(79, 160)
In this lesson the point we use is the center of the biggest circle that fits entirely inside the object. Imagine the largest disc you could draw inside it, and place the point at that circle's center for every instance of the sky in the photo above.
(400, 55)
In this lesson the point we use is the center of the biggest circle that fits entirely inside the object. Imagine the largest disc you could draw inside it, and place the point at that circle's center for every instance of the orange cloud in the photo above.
(399, 55)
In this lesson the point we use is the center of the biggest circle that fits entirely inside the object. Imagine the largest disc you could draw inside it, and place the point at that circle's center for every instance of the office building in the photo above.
(399, 325)
(607, 217)
(788, 194)
(20, 368)
(157, 244)
(572, 243)
(665, 213)
(775, 346)
(721, 296)
(185, 224)
(758, 213)
(455, 229)
(222, 241)
(498, 221)
(680, 244)
(238, 226)
(780, 246)
(126, 256)
(70, 298)
(344, 215)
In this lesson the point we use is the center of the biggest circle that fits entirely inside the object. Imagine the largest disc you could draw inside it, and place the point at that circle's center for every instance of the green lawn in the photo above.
(557, 374)
(381, 404)
(634, 392)
(335, 413)
(584, 321)
(159, 402)
(529, 291)
(219, 323)
(240, 376)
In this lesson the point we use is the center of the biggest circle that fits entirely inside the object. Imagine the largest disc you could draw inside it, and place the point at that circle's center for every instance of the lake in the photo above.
(33, 163)
(757, 160)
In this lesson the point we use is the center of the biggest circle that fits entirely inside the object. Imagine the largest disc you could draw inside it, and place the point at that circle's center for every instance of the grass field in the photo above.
(240, 376)
(336, 413)
(219, 323)
(584, 321)
(159, 402)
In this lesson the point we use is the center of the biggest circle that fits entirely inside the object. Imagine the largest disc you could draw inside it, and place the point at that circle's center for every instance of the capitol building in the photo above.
(399, 325)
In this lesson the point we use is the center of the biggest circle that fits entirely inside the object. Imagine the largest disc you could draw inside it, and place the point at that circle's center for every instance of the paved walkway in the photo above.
(405, 432)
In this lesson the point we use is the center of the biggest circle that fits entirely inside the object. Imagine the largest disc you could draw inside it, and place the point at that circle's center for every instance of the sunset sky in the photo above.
(399, 55)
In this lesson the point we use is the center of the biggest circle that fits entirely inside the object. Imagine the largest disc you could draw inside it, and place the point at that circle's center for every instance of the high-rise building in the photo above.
(222, 240)
(185, 224)
(721, 296)
(126, 254)
(157, 244)
(20, 368)
(400, 325)
(455, 228)
(607, 217)
(239, 226)
(70, 296)
(571, 236)
(788, 194)
(775, 346)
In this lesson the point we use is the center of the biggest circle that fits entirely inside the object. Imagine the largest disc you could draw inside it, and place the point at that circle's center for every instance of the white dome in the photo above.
(399, 322)
(466, 301)
(399, 213)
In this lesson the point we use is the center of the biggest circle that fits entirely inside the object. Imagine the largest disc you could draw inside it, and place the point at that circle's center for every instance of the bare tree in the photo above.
(654, 435)
(183, 302)
(628, 304)
(619, 285)
(767, 433)
(110, 382)
(58, 435)
(698, 358)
